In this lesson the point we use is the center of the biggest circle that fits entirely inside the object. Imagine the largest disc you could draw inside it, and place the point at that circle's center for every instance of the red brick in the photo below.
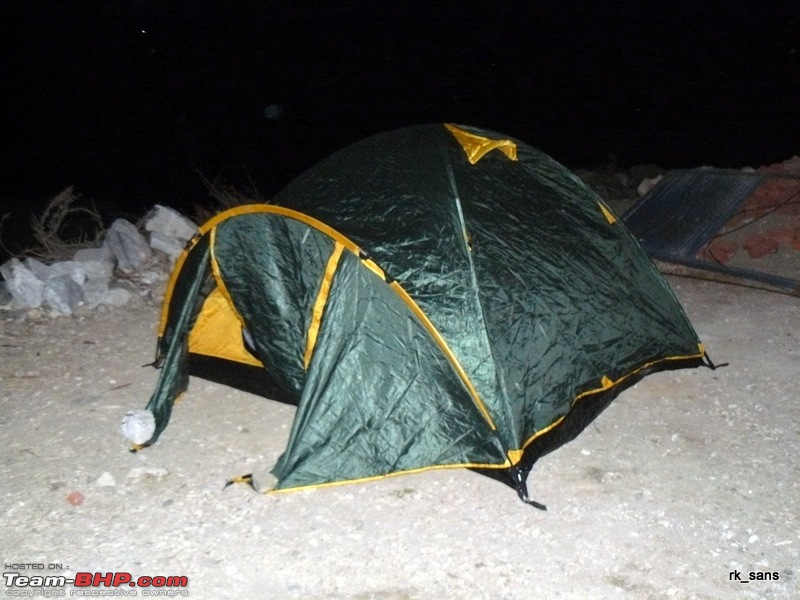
(720, 251)
(782, 235)
(796, 240)
(753, 241)
(758, 246)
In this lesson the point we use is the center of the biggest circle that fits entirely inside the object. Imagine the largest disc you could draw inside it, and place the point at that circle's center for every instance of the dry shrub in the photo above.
(224, 196)
(64, 227)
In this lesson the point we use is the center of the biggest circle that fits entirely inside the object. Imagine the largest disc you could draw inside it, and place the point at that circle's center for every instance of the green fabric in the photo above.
(551, 296)
(173, 351)
(538, 296)
(272, 267)
(380, 396)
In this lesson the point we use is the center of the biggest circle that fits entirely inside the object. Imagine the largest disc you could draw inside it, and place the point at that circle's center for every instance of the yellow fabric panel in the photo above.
(607, 213)
(322, 300)
(515, 456)
(218, 332)
(218, 276)
(477, 146)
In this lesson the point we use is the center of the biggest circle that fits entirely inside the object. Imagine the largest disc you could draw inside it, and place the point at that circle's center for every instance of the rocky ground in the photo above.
(688, 481)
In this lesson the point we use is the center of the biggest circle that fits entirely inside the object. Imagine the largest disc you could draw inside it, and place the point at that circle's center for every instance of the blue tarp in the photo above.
(687, 209)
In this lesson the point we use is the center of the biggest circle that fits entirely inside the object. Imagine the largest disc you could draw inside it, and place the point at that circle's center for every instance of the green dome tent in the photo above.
(432, 297)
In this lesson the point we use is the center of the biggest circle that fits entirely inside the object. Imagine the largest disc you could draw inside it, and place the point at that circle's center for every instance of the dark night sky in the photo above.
(128, 99)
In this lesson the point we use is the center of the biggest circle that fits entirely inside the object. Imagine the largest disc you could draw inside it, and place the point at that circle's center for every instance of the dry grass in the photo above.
(224, 196)
(64, 227)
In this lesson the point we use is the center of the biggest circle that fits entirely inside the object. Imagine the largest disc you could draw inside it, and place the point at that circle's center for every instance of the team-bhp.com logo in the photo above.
(94, 584)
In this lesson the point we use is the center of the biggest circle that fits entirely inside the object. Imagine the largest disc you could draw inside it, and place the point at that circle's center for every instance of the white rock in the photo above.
(127, 245)
(75, 270)
(62, 294)
(172, 247)
(106, 480)
(5, 295)
(139, 473)
(648, 184)
(149, 277)
(38, 268)
(117, 297)
(94, 292)
(98, 262)
(170, 224)
(22, 283)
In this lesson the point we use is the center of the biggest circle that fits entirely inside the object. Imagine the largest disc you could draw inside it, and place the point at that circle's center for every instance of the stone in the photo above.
(172, 247)
(149, 277)
(128, 246)
(139, 473)
(758, 246)
(25, 287)
(75, 270)
(117, 297)
(38, 268)
(782, 235)
(721, 251)
(5, 295)
(94, 292)
(62, 294)
(170, 223)
(98, 262)
(106, 480)
(648, 184)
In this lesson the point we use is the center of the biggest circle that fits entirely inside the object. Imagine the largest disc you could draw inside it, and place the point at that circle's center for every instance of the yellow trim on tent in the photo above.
(211, 225)
(477, 146)
(607, 383)
(445, 349)
(315, 486)
(162, 323)
(372, 266)
(218, 276)
(607, 213)
(249, 209)
(319, 305)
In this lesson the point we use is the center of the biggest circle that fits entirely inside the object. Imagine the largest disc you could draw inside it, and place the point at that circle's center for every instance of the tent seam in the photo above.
(367, 262)
(321, 302)
(468, 251)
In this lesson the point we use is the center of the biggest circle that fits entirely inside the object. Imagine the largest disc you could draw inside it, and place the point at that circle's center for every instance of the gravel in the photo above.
(687, 481)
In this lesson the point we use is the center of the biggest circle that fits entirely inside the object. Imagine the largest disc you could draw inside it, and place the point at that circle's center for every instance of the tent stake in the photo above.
(522, 488)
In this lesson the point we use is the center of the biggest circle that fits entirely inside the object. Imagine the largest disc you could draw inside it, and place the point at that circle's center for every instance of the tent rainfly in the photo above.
(434, 297)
